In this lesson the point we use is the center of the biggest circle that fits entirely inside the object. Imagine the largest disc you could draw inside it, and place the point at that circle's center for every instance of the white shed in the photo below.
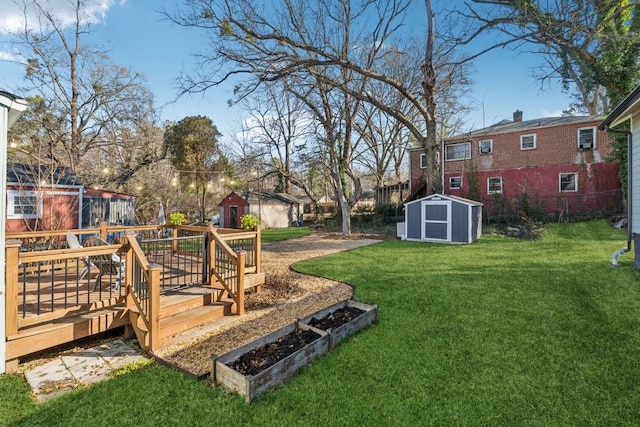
(629, 111)
(443, 219)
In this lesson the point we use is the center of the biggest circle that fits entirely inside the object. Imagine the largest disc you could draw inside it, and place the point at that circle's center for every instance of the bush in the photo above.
(177, 218)
(249, 222)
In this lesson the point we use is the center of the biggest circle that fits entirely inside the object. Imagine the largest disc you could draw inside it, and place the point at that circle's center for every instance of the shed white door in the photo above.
(436, 221)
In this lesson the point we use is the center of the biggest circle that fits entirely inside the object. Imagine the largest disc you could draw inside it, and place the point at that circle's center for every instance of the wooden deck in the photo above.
(54, 306)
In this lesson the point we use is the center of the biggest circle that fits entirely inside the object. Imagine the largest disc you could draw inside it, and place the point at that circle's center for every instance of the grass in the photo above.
(276, 234)
(501, 332)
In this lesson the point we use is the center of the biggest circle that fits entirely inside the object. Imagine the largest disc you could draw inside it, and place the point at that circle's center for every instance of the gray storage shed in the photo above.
(443, 219)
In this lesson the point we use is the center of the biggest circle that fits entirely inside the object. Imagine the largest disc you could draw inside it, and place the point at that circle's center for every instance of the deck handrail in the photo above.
(142, 280)
(220, 254)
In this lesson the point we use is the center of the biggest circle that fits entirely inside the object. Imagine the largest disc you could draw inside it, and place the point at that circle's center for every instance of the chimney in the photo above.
(517, 116)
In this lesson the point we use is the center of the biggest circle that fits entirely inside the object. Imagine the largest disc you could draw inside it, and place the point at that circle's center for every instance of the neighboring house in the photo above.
(629, 111)
(40, 197)
(556, 165)
(327, 207)
(107, 206)
(275, 210)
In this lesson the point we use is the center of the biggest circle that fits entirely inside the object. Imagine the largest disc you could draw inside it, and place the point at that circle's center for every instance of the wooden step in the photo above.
(186, 320)
(185, 299)
(60, 331)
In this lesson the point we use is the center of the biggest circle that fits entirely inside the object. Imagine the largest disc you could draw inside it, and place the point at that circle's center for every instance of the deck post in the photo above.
(128, 281)
(154, 306)
(175, 237)
(258, 250)
(211, 257)
(11, 297)
(103, 230)
(241, 260)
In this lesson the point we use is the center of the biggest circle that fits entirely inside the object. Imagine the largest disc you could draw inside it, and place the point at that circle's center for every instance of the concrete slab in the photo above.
(81, 368)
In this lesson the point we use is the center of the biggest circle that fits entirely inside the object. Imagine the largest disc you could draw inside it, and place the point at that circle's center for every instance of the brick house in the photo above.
(556, 166)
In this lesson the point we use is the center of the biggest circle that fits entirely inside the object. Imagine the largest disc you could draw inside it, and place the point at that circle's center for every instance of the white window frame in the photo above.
(11, 201)
(467, 151)
(535, 143)
(575, 190)
(422, 164)
(459, 179)
(593, 133)
(490, 141)
(489, 185)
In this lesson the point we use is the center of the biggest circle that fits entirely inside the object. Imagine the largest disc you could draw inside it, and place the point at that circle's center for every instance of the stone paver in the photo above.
(81, 368)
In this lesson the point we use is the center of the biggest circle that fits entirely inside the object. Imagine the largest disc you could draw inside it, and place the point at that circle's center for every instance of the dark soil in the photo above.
(336, 318)
(257, 360)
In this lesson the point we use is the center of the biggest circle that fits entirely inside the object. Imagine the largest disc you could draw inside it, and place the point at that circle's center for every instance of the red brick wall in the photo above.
(537, 170)
(557, 145)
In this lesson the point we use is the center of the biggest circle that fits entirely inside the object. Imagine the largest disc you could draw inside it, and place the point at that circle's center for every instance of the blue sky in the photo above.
(137, 36)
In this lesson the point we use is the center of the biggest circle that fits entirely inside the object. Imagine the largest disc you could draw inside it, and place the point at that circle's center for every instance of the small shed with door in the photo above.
(274, 210)
(443, 219)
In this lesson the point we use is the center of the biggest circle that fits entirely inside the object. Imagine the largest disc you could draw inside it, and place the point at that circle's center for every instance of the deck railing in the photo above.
(227, 268)
(143, 299)
(44, 279)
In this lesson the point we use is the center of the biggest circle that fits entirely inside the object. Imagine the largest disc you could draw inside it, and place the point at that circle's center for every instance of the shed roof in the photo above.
(270, 197)
(622, 110)
(446, 197)
(23, 174)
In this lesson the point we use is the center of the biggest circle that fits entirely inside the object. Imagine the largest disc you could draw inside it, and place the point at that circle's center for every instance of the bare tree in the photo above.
(88, 105)
(300, 38)
(592, 45)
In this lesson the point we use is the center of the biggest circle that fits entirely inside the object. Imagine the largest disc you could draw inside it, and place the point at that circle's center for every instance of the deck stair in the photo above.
(188, 308)
(184, 309)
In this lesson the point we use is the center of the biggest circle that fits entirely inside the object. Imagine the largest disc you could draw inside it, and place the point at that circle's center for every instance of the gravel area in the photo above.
(286, 296)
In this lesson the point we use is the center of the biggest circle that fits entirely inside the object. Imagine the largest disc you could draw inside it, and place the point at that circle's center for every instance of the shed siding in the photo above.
(635, 180)
(459, 222)
(414, 221)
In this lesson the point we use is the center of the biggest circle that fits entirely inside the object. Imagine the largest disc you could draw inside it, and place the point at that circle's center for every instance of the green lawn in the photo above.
(275, 234)
(501, 332)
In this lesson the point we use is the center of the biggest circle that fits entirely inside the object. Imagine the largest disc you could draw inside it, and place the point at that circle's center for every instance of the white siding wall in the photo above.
(635, 184)
(275, 215)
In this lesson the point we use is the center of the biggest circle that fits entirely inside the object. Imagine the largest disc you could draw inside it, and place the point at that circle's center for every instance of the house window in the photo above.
(23, 205)
(485, 146)
(587, 138)
(528, 142)
(423, 163)
(494, 185)
(457, 151)
(568, 182)
(455, 182)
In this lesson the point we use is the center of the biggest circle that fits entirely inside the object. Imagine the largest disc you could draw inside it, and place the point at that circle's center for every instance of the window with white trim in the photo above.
(485, 146)
(587, 138)
(460, 151)
(455, 182)
(568, 182)
(528, 142)
(494, 185)
(23, 205)
(423, 163)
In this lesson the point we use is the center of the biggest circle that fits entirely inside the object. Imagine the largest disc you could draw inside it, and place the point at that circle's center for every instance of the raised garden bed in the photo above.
(343, 319)
(268, 361)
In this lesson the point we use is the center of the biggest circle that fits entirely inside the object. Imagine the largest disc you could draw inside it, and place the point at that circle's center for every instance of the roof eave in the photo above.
(623, 111)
